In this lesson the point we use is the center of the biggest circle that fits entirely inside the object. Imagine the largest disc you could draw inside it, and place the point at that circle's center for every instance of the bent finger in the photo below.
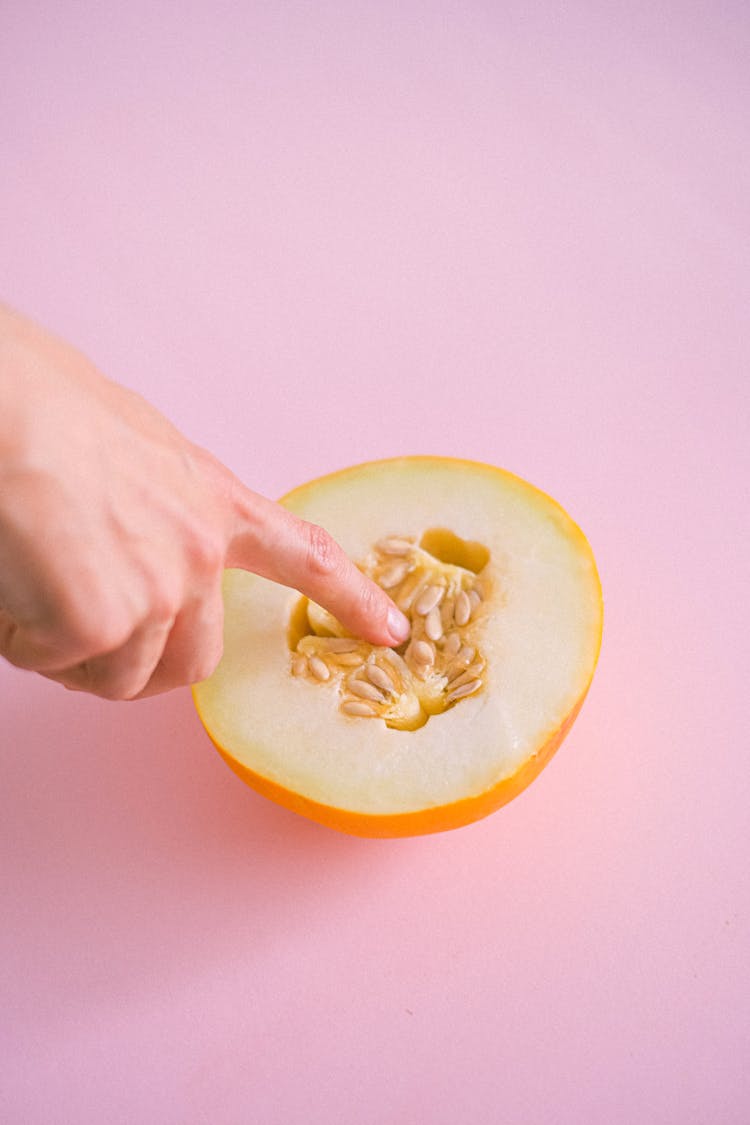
(36, 650)
(194, 646)
(65, 641)
(276, 544)
(123, 673)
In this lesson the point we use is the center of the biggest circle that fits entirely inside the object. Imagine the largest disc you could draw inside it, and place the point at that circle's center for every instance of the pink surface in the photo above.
(318, 234)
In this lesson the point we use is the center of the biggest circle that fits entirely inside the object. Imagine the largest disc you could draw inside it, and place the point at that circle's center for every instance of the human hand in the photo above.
(115, 531)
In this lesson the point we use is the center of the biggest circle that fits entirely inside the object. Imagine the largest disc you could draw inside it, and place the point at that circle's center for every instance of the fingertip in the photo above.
(398, 625)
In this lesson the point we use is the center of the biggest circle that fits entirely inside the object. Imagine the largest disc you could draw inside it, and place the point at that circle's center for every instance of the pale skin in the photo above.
(115, 530)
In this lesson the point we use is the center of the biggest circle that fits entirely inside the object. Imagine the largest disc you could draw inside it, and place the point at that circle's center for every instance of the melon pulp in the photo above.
(535, 633)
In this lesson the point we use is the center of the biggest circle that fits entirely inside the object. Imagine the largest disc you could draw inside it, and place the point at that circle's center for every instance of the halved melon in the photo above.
(506, 608)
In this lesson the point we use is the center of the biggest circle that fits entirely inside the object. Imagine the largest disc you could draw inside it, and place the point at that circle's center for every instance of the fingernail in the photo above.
(398, 625)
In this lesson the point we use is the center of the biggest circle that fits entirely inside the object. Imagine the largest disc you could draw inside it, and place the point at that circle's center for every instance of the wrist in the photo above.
(25, 384)
(16, 386)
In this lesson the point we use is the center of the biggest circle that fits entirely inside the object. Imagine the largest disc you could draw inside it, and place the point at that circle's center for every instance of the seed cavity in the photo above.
(439, 665)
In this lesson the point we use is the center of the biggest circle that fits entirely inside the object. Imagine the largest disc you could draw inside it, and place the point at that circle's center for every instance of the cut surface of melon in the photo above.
(539, 633)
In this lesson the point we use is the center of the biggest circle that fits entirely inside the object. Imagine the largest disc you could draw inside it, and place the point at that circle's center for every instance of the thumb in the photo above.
(272, 542)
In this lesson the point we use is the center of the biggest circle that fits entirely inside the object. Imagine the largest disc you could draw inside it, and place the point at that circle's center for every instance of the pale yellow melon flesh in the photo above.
(540, 637)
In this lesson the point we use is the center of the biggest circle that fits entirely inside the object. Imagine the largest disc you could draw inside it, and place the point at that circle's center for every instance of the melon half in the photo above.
(505, 602)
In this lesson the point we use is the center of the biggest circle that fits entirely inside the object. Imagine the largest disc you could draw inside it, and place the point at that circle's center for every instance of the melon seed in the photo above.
(394, 546)
(428, 599)
(422, 652)
(339, 644)
(348, 659)
(462, 611)
(446, 614)
(319, 668)
(464, 677)
(464, 690)
(358, 707)
(365, 691)
(380, 678)
(433, 626)
(408, 592)
(394, 575)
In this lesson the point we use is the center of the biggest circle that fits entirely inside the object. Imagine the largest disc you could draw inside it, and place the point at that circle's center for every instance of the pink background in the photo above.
(315, 234)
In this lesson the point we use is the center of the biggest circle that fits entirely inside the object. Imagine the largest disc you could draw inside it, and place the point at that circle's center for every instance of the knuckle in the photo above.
(100, 634)
(202, 464)
(323, 553)
(113, 693)
(118, 692)
(207, 655)
(163, 609)
(204, 665)
(158, 601)
(203, 670)
(123, 692)
(207, 554)
(93, 625)
(115, 679)
(96, 677)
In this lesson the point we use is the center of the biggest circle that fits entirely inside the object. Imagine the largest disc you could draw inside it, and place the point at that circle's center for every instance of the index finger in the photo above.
(276, 544)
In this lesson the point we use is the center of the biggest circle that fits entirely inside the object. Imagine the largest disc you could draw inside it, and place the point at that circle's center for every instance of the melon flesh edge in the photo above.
(541, 643)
